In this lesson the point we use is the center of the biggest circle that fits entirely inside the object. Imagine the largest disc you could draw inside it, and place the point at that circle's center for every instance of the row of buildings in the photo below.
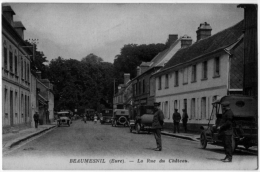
(23, 90)
(192, 75)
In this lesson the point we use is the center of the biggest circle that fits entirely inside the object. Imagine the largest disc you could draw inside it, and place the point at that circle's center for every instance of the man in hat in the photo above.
(36, 119)
(176, 120)
(157, 125)
(226, 130)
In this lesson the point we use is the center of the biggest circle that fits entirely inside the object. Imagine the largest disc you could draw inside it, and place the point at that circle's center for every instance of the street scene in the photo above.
(121, 86)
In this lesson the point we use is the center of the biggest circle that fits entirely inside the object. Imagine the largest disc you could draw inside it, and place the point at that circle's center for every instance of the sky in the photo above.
(74, 30)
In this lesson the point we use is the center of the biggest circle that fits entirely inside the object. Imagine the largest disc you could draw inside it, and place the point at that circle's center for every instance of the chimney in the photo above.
(19, 28)
(144, 67)
(126, 77)
(172, 38)
(204, 31)
(186, 41)
(8, 13)
(39, 74)
(138, 71)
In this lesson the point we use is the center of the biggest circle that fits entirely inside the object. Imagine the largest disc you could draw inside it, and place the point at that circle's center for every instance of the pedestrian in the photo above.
(176, 120)
(157, 125)
(36, 119)
(184, 119)
(226, 130)
(95, 119)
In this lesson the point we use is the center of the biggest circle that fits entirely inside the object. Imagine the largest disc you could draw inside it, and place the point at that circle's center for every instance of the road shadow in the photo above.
(236, 152)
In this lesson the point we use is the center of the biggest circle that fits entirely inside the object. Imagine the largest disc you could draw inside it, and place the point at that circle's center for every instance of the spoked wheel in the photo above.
(203, 140)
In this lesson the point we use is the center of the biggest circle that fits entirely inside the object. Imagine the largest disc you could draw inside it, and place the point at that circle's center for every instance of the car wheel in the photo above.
(137, 127)
(203, 140)
(234, 144)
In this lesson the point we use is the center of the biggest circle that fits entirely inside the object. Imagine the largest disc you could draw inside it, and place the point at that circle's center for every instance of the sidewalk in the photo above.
(11, 139)
(187, 136)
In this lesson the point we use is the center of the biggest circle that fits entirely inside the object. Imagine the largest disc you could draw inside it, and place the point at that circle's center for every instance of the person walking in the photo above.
(95, 119)
(184, 119)
(36, 119)
(176, 120)
(157, 124)
(226, 130)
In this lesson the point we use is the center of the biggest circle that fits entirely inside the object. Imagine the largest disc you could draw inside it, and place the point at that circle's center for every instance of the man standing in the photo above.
(36, 119)
(176, 120)
(226, 130)
(184, 119)
(157, 125)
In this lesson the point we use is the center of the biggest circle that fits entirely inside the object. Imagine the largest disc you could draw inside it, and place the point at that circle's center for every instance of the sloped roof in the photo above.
(19, 24)
(220, 40)
(8, 8)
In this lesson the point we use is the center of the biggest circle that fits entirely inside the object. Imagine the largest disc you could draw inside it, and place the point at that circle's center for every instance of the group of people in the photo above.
(225, 127)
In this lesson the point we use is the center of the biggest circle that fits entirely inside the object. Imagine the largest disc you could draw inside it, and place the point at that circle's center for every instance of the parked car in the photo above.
(120, 117)
(141, 119)
(64, 118)
(90, 114)
(244, 122)
(106, 116)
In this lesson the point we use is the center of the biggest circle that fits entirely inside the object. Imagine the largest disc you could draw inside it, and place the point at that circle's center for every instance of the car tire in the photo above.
(203, 140)
(234, 144)
(137, 128)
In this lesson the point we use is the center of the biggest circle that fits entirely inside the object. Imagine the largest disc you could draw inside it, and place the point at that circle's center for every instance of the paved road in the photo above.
(63, 146)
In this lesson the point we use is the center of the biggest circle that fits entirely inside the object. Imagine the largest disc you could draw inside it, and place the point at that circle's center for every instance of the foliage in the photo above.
(132, 55)
(81, 84)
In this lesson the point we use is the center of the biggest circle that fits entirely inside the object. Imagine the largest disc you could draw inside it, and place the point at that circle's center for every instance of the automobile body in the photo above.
(120, 117)
(245, 125)
(142, 118)
(106, 116)
(64, 118)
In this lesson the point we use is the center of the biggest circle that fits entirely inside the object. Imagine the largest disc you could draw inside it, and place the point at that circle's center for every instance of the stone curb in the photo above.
(179, 136)
(21, 139)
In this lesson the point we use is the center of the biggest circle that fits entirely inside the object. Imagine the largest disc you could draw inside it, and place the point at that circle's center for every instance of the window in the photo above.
(159, 83)
(25, 77)
(185, 75)
(175, 104)
(203, 107)
(28, 76)
(22, 68)
(185, 104)
(166, 109)
(5, 95)
(193, 109)
(15, 64)
(216, 67)
(194, 74)
(205, 70)
(144, 86)
(11, 60)
(5, 57)
(166, 81)
(176, 83)
(139, 83)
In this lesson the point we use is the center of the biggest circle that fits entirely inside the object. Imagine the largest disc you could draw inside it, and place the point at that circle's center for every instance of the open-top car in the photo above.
(142, 118)
(120, 117)
(64, 118)
(244, 122)
(106, 116)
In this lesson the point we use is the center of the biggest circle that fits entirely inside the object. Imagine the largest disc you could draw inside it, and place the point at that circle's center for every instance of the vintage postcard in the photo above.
(129, 86)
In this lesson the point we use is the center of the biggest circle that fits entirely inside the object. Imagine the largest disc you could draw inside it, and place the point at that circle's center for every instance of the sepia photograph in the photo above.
(129, 85)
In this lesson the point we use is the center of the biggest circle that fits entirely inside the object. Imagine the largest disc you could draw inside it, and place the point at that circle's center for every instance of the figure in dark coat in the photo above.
(157, 126)
(184, 119)
(226, 131)
(176, 120)
(36, 119)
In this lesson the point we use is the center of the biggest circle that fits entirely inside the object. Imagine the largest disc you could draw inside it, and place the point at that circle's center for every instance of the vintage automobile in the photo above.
(244, 122)
(142, 118)
(106, 116)
(90, 114)
(64, 118)
(120, 117)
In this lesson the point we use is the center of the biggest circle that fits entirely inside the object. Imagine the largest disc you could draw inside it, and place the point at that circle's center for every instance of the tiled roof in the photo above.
(8, 9)
(18, 24)
(220, 40)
